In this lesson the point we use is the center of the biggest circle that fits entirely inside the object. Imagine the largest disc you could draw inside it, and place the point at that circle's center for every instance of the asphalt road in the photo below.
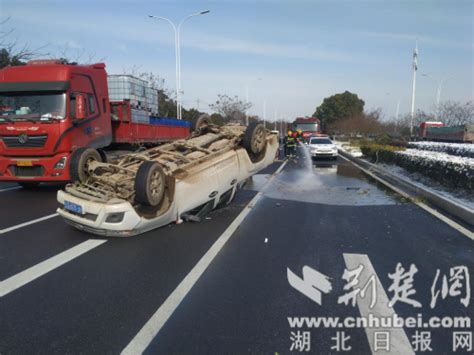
(325, 215)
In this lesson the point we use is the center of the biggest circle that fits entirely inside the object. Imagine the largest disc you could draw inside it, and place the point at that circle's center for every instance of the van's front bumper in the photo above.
(117, 219)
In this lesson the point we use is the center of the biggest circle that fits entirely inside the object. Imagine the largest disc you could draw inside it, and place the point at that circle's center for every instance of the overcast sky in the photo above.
(302, 50)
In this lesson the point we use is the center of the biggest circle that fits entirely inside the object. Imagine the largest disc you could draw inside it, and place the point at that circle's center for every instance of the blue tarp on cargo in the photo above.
(169, 122)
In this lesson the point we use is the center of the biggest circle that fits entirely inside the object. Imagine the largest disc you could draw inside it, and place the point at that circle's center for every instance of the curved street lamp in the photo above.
(440, 83)
(177, 40)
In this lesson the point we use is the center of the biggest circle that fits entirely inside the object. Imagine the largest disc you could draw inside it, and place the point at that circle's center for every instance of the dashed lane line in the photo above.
(10, 188)
(399, 343)
(153, 326)
(23, 278)
(25, 224)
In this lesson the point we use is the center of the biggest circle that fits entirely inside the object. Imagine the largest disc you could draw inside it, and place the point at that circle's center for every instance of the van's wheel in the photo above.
(200, 123)
(150, 184)
(103, 155)
(255, 138)
(80, 159)
(29, 184)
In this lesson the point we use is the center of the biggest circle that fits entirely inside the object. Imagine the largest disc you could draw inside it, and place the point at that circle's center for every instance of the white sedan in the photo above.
(322, 147)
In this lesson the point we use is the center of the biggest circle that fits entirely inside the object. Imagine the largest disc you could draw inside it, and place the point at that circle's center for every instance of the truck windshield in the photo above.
(32, 106)
(306, 127)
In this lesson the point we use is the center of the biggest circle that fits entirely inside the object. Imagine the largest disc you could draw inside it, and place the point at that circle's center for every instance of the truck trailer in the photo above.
(56, 118)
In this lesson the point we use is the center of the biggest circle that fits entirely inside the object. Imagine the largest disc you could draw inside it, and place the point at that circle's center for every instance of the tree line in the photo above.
(344, 113)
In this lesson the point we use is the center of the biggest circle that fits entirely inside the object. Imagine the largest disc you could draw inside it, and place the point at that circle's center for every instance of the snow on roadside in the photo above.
(459, 149)
(348, 148)
(426, 155)
(460, 196)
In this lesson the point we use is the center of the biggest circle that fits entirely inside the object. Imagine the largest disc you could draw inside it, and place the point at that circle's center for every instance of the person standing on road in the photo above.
(290, 144)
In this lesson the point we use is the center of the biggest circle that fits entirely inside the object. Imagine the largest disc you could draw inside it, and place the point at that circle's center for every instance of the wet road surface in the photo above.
(316, 214)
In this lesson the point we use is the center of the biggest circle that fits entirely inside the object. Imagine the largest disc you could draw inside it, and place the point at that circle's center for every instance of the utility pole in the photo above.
(415, 68)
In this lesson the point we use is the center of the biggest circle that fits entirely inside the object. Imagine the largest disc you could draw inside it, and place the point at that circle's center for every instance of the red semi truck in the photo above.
(55, 118)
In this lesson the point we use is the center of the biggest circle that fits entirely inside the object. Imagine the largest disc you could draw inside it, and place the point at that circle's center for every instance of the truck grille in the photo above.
(25, 141)
(27, 171)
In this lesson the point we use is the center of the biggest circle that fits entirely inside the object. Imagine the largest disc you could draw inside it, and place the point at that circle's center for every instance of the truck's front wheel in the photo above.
(80, 159)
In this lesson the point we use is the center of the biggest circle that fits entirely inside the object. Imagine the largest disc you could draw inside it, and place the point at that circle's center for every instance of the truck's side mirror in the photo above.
(80, 107)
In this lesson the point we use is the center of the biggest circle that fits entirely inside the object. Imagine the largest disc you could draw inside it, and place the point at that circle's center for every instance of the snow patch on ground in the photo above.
(463, 197)
(348, 148)
(459, 149)
(437, 156)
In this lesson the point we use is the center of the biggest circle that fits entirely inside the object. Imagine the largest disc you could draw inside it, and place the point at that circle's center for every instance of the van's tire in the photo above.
(255, 138)
(199, 123)
(29, 184)
(103, 155)
(79, 162)
(150, 184)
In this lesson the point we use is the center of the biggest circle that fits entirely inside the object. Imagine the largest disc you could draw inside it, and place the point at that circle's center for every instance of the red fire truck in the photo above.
(55, 118)
(309, 126)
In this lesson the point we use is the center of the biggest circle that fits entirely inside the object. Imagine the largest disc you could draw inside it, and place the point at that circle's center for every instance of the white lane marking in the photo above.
(25, 224)
(427, 208)
(151, 328)
(399, 343)
(21, 279)
(10, 188)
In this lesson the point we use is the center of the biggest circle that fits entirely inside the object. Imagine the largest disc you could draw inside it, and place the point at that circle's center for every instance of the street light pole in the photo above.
(247, 100)
(415, 68)
(179, 55)
(176, 57)
(398, 110)
(177, 40)
(440, 84)
(265, 113)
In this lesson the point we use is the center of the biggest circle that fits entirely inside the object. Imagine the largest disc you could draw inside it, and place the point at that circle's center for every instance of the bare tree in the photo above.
(366, 123)
(231, 108)
(67, 54)
(453, 113)
(13, 53)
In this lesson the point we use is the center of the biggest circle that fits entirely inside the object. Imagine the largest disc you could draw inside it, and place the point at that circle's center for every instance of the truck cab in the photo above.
(309, 126)
(50, 113)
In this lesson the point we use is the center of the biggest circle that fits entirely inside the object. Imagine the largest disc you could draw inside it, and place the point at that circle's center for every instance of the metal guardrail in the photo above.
(463, 213)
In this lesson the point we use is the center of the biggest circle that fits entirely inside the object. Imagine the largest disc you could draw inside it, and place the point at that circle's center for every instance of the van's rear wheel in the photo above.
(80, 160)
(150, 184)
(255, 138)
